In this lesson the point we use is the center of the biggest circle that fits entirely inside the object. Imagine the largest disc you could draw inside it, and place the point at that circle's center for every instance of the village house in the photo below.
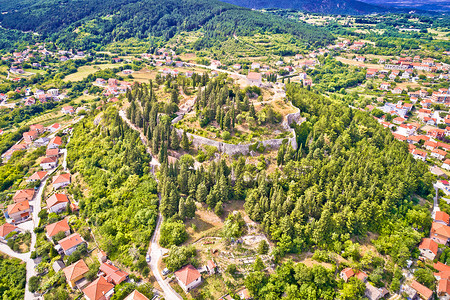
(6, 229)
(255, 65)
(443, 271)
(254, 78)
(438, 153)
(68, 110)
(440, 233)
(49, 163)
(443, 289)
(385, 86)
(22, 195)
(99, 289)
(55, 142)
(446, 164)
(373, 293)
(75, 273)
(60, 181)
(430, 145)
(211, 267)
(52, 152)
(428, 248)
(38, 128)
(135, 295)
(57, 227)
(441, 217)
(71, 243)
(18, 211)
(419, 154)
(188, 277)
(215, 64)
(30, 136)
(112, 274)
(346, 274)
(57, 203)
(43, 141)
(37, 176)
(422, 290)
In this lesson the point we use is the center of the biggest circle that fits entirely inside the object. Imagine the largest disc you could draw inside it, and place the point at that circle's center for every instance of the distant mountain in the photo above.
(429, 5)
(348, 7)
(94, 23)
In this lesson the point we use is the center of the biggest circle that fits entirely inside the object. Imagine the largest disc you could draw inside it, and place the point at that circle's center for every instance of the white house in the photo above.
(49, 163)
(428, 248)
(188, 277)
(71, 243)
(254, 78)
(61, 181)
(57, 203)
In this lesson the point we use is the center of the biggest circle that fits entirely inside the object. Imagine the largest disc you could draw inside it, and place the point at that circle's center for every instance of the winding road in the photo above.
(154, 250)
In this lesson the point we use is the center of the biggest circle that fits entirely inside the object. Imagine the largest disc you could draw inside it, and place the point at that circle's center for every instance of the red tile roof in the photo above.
(112, 273)
(444, 286)
(71, 241)
(97, 289)
(429, 244)
(187, 274)
(47, 160)
(38, 175)
(56, 199)
(55, 228)
(75, 270)
(442, 216)
(56, 140)
(18, 207)
(135, 295)
(422, 290)
(6, 229)
(440, 229)
(62, 178)
(21, 195)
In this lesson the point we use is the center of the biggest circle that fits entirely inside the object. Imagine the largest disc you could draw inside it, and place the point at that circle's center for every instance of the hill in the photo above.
(430, 5)
(86, 23)
(348, 7)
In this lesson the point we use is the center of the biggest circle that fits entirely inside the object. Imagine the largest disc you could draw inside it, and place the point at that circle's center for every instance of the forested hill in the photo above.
(104, 22)
(347, 7)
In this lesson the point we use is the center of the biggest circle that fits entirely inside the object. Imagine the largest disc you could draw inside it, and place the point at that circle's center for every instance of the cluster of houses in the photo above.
(34, 139)
(108, 275)
(112, 86)
(429, 250)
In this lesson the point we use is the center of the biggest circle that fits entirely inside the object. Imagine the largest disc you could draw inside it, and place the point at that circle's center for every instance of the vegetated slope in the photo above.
(122, 202)
(348, 7)
(102, 22)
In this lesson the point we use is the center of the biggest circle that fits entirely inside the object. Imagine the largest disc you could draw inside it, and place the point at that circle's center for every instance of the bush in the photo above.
(263, 247)
(172, 233)
(226, 136)
(180, 256)
(33, 284)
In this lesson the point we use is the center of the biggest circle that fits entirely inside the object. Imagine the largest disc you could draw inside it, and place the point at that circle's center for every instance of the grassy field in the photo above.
(85, 71)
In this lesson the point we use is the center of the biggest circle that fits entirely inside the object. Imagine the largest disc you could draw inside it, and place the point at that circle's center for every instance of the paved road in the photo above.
(156, 252)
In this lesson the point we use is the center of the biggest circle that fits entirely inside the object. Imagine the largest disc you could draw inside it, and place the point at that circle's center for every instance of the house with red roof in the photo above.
(254, 78)
(443, 271)
(49, 163)
(68, 110)
(99, 289)
(188, 277)
(39, 175)
(57, 203)
(346, 274)
(6, 229)
(52, 152)
(75, 273)
(18, 211)
(211, 267)
(135, 295)
(419, 154)
(55, 127)
(71, 243)
(30, 136)
(443, 289)
(57, 227)
(428, 248)
(55, 143)
(440, 233)
(430, 145)
(61, 180)
(22, 195)
(439, 154)
(422, 290)
(38, 128)
(112, 273)
(442, 218)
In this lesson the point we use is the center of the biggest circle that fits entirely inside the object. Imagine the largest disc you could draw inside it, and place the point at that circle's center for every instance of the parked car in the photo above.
(148, 258)
(165, 271)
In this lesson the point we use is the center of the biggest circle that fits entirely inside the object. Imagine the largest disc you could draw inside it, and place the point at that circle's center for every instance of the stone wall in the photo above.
(244, 149)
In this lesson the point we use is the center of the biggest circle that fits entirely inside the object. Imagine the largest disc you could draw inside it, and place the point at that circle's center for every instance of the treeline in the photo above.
(145, 18)
(122, 204)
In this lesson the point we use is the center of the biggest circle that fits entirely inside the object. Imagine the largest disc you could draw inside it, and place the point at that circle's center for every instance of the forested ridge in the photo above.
(85, 24)
(122, 202)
